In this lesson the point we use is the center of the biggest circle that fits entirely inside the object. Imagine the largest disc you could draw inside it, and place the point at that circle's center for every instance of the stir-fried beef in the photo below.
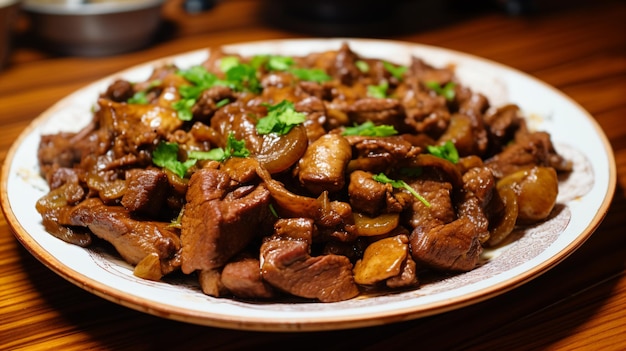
(344, 68)
(220, 219)
(407, 276)
(242, 278)
(376, 154)
(529, 149)
(480, 182)
(133, 239)
(287, 264)
(425, 72)
(452, 246)
(311, 176)
(146, 191)
(425, 113)
(315, 111)
(63, 175)
(503, 123)
(439, 196)
(57, 150)
(136, 127)
(379, 111)
(119, 91)
(211, 282)
(210, 100)
(366, 194)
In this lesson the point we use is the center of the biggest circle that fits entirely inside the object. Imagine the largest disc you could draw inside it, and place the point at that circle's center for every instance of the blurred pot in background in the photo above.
(358, 18)
(8, 14)
(94, 27)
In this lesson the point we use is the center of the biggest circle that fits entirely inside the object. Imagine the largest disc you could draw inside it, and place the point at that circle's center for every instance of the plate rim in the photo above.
(314, 324)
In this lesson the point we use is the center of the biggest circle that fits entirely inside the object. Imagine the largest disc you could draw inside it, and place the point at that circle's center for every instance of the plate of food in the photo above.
(308, 184)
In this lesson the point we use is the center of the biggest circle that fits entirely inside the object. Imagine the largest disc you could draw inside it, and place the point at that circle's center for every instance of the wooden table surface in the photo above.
(579, 304)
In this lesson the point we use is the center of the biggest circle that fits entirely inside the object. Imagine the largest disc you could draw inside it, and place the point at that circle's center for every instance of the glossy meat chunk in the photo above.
(220, 219)
(286, 263)
(133, 239)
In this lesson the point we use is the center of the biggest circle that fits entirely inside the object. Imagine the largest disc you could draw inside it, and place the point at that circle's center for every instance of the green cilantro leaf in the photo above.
(198, 75)
(234, 148)
(311, 74)
(166, 155)
(201, 80)
(362, 66)
(273, 211)
(280, 119)
(191, 91)
(272, 62)
(280, 63)
(369, 129)
(399, 184)
(258, 61)
(447, 91)
(183, 108)
(286, 64)
(396, 71)
(446, 151)
(139, 98)
(241, 77)
(216, 154)
(222, 102)
(378, 91)
(228, 62)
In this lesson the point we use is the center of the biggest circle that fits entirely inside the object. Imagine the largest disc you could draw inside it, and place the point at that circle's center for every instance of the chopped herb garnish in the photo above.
(369, 129)
(362, 66)
(396, 71)
(273, 211)
(139, 98)
(201, 80)
(183, 108)
(280, 119)
(216, 154)
(311, 74)
(447, 91)
(234, 148)
(222, 102)
(198, 75)
(280, 63)
(241, 77)
(166, 156)
(272, 62)
(286, 64)
(257, 61)
(446, 151)
(399, 184)
(228, 62)
(177, 222)
(378, 91)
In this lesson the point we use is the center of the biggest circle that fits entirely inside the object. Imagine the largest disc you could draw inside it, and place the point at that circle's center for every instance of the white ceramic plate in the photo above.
(583, 201)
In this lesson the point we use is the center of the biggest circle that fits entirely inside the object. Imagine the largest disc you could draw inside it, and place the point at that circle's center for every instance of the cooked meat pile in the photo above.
(321, 177)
